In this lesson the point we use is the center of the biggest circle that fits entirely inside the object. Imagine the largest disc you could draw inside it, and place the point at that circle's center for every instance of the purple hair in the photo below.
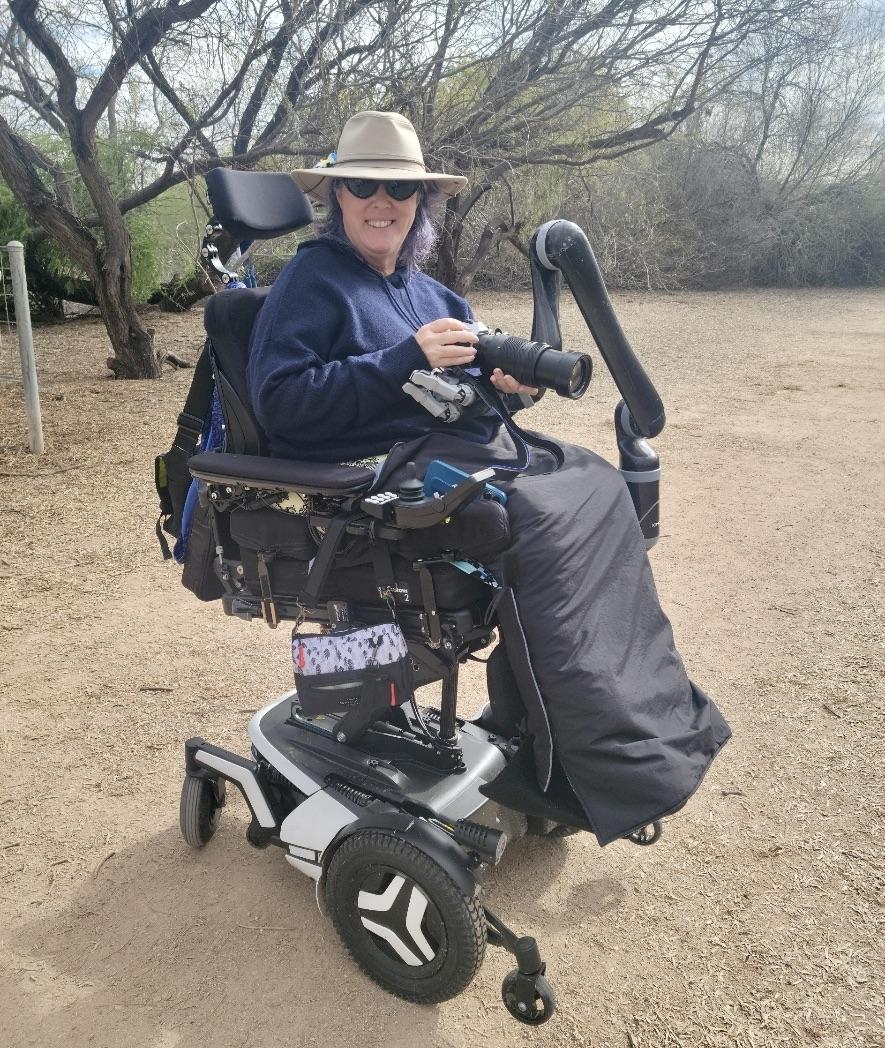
(420, 240)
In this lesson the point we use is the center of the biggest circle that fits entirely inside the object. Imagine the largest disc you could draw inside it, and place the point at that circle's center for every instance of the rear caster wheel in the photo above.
(529, 998)
(199, 812)
(403, 919)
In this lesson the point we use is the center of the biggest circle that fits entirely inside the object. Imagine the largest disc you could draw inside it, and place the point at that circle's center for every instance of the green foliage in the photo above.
(146, 261)
(118, 160)
(14, 223)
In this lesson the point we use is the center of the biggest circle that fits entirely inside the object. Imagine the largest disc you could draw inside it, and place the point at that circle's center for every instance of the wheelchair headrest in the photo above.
(257, 205)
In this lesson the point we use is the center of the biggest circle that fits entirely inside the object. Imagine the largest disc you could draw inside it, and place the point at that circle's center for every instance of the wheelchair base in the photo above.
(386, 835)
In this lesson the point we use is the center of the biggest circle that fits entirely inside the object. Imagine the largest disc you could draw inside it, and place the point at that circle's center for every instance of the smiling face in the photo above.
(378, 226)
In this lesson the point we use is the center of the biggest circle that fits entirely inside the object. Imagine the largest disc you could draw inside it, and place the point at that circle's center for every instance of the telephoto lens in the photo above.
(533, 363)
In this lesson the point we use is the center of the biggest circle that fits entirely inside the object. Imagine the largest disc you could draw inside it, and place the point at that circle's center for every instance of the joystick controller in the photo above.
(408, 506)
(411, 489)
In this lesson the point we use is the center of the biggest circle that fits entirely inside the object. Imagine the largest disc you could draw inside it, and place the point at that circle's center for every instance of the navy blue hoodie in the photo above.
(331, 349)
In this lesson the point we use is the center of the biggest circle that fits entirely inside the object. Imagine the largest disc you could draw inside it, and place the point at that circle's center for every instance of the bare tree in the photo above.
(808, 113)
(775, 181)
(513, 87)
(495, 88)
(44, 188)
(62, 72)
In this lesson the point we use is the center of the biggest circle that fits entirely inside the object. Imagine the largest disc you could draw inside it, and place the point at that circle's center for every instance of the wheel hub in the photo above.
(402, 921)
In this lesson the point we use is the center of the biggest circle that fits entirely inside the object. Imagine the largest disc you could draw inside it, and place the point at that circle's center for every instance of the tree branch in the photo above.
(276, 51)
(18, 166)
(138, 40)
(25, 13)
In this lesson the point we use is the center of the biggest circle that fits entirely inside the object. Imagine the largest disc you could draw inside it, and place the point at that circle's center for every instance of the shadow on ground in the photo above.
(165, 946)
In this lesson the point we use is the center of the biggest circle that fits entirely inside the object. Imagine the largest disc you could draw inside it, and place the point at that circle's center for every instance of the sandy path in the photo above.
(757, 921)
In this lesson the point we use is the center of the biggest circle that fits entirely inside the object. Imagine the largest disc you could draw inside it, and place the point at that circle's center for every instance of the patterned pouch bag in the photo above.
(357, 675)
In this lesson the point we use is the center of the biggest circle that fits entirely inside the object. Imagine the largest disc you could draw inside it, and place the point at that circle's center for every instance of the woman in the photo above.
(344, 326)
(351, 317)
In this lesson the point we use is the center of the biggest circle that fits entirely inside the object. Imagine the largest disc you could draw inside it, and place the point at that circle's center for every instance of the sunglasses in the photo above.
(363, 188)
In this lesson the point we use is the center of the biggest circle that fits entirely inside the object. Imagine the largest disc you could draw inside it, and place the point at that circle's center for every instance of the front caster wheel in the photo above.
(529, 998)
(650, 834)
(403, 919)
(200, 810)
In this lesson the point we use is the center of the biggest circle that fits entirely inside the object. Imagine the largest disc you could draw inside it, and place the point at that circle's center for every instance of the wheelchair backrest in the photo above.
(249, 205)
(229, 318)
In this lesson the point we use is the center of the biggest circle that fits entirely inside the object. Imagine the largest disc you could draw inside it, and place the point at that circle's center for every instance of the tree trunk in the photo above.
(133, 344)
(179, 294)
(446, 269)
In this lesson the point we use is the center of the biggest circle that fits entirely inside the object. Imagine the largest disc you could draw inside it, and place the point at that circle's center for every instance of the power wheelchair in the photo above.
(395, 822)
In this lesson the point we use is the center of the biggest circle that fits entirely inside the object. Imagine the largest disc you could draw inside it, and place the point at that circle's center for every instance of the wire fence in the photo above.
(10, 361)
(17, 364)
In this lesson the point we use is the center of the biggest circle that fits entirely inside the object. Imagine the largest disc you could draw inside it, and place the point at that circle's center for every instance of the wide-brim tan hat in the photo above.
(382, 146)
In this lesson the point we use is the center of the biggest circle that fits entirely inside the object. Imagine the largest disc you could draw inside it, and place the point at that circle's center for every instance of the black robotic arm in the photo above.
(560, 247)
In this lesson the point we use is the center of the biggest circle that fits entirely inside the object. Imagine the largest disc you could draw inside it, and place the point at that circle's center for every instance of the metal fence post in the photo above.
(26, 344)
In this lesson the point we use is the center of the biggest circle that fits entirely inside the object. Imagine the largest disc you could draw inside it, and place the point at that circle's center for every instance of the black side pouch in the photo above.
(173, 480)
(358, 697)
(283, 540)
(199, 575)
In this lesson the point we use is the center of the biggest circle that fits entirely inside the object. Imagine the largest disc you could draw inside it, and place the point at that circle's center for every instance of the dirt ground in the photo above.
(756, 921)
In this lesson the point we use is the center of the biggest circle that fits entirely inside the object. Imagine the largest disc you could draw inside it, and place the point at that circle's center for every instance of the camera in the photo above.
(446, 393)
(532, 363)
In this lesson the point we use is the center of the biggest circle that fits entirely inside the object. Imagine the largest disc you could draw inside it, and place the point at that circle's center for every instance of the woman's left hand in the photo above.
(508, 384)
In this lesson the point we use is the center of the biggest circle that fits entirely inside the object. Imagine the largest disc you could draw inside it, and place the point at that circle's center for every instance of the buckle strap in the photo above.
(190, 423)
(382, 564)
(196, 406)
(321, 564)
(161, 538)
(268, 604)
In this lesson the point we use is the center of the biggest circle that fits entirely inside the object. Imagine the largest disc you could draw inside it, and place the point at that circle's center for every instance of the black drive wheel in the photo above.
(403, 919)
(200, 810)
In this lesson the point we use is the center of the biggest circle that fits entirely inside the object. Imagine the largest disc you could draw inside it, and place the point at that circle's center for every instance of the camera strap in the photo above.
(524, 441)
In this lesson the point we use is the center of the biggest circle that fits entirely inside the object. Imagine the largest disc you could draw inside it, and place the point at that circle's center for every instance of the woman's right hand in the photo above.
(443, 343)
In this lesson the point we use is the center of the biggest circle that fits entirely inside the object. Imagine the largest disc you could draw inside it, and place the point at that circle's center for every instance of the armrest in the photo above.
(257, 471)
